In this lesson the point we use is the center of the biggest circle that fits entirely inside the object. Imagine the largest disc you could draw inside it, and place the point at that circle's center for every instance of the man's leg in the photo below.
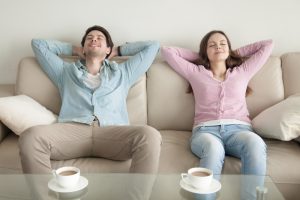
(58, 141)
(140, 143)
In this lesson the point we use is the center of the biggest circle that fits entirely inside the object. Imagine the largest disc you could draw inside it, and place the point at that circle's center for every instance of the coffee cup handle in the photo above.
(184, 178)
(184, 175)
(54, 172)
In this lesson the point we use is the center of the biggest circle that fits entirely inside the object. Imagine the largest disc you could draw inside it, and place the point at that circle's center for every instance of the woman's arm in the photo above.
(257, 54)
(180, 59)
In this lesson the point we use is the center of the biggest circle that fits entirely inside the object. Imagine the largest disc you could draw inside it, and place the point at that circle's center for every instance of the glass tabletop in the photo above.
(116, 186)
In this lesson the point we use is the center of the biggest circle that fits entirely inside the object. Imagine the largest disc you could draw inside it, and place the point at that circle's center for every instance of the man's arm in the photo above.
(142, 55)
(47, 53)
(78, 51)
(115, 52)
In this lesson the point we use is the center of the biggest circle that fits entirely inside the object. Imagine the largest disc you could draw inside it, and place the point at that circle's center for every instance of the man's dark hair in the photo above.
(109, 41)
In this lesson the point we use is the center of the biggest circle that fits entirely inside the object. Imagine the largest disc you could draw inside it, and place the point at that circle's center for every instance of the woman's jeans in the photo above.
(211, 143)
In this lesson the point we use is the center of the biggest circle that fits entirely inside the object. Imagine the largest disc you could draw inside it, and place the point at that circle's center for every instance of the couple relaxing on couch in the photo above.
(93, 119)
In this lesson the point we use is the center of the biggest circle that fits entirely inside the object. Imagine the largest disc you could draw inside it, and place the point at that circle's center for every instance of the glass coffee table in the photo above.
(116, 186)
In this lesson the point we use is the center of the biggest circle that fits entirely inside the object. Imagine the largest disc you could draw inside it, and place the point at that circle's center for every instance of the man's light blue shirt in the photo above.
(108, 102)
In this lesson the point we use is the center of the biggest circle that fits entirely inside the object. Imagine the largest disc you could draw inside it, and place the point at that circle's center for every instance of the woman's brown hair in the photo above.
(233, 60)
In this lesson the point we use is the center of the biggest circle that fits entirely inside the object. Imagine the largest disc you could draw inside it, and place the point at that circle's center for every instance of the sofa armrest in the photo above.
(5, 91)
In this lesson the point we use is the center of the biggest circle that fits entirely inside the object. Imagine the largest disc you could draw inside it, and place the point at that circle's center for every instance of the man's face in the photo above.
(95, 45)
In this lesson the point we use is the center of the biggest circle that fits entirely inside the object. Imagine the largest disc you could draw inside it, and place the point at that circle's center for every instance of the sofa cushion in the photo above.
(33, 82)
(21, 112)
(169, 106)
(281, 121)
(290, 73)
(267, 86)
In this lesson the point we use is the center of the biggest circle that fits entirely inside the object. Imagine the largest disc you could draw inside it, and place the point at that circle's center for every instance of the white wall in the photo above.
(172, 22)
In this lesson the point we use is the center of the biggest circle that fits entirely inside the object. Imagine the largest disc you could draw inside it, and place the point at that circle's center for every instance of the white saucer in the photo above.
(214, 187)
(53, 185)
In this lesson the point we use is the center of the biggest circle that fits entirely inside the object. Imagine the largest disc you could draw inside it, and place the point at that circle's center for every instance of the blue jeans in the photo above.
(212, 143)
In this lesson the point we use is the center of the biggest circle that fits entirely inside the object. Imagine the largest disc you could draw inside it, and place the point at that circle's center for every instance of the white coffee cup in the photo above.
(198, 177)
(67, 177)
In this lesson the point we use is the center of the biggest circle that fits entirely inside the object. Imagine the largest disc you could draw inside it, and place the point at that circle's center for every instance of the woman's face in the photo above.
(217, 48)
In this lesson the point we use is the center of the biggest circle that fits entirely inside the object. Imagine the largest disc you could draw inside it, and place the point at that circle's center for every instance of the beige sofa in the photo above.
(159, 100)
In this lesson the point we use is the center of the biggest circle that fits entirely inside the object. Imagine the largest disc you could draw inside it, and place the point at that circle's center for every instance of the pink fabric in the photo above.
(216, 99)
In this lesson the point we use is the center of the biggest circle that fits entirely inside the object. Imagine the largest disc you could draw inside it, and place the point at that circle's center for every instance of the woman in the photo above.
(218, 77)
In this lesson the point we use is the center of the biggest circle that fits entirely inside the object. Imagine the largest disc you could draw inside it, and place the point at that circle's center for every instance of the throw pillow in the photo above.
(21, 112)
(281, 121)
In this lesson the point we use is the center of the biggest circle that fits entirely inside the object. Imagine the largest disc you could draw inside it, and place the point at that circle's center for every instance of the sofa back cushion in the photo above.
(171, 108)
(33, 82)
(290, 73)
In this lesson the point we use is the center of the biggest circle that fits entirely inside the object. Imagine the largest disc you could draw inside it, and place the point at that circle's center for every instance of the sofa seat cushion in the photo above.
(283, 161)
(10, 162)
(175, 155)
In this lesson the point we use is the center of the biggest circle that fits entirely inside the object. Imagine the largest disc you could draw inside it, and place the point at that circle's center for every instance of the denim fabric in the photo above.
(107, 102)
(212, 143)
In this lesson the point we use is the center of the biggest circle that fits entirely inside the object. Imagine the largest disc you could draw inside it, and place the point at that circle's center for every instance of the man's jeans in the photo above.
(211, 143)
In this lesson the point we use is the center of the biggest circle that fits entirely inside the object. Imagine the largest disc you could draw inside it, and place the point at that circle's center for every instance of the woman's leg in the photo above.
(209, 148)
(242, 143)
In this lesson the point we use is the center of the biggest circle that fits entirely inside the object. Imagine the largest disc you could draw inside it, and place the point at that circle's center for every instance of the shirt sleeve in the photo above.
(258, 54)
(180, 59)
(47, 53)
(141, 55)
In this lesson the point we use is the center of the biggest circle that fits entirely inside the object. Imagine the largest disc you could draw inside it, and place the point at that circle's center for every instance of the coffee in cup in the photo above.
(67, 176)
(198, 177)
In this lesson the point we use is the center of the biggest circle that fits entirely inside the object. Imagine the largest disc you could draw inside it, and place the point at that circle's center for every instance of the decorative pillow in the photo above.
(281, 121)
(21, 112)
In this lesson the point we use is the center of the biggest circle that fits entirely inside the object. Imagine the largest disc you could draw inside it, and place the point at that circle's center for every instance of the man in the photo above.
(93, 120)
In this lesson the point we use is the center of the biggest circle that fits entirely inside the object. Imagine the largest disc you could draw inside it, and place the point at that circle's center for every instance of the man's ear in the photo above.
(108, 51)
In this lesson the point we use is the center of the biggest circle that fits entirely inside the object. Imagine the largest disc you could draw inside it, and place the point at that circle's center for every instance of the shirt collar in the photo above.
(106, 64)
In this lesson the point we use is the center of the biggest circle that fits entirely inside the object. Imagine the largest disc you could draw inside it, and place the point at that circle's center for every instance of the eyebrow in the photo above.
(99, 35)
(216, 42)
